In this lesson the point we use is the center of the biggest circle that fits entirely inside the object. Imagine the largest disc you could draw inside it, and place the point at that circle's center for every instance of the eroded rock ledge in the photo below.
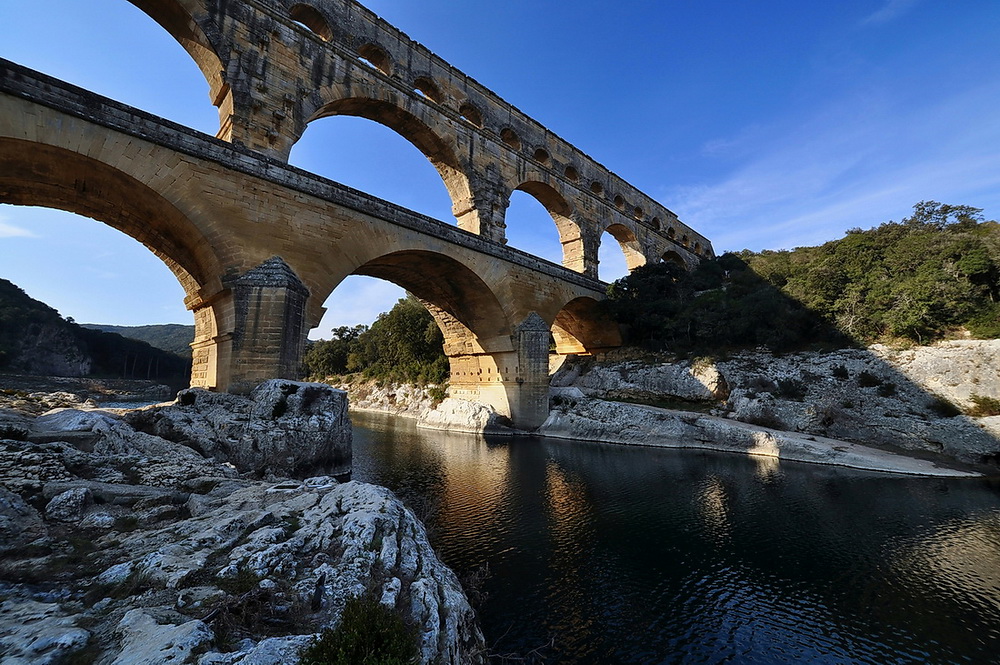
(122, 546)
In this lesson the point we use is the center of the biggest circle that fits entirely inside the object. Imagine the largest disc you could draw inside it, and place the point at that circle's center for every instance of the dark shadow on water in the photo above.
(640, 555)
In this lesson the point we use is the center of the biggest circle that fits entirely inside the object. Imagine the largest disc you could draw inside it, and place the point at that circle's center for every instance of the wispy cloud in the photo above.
(8, 230)
(892, 9)
(859, 162)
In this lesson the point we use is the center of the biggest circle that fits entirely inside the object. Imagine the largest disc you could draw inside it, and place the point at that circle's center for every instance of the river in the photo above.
(604, 554)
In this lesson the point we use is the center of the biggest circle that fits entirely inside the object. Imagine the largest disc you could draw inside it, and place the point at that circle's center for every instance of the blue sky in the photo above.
(769, 124)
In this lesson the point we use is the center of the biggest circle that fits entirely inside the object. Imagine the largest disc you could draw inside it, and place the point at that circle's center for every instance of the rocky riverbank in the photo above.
(175, 534)
(877, 408)
(910, 400)
(430, 412)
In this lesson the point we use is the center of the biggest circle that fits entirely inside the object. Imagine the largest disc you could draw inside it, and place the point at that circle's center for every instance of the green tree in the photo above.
(403, 344)
(329, 357)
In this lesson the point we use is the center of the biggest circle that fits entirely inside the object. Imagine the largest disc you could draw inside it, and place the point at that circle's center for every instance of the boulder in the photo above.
(283, 428)
(37, 633)
(459, 415)
(68, 506)
(20, 524)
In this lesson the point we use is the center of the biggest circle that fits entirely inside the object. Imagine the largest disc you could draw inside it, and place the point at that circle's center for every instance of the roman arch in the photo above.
(258, 245)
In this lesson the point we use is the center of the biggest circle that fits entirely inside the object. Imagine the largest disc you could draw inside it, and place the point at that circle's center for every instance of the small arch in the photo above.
(619, 202)
(684, 240)
(471, 114)
(312, 19)
(638, 212)
(671, 256)
(560, 210)
(375, 56)
(572, 174)
(655, 223)
(541, 155)
(597, 188)
(671, 233)
(629, 245)
(510, 138)
(697, 248)
(425, 87)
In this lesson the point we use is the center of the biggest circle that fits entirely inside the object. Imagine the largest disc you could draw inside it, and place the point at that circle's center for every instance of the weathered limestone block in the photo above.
(19, 522)
(144, 641)
(318, 540)
(68, 506)
(459, 415)
(283, 428)
(695, 381)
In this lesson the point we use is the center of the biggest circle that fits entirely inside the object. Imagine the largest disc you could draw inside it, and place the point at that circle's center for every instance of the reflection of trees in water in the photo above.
(615, 550)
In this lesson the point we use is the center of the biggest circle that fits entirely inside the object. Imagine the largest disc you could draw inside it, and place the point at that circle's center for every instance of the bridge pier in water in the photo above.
(515, 382)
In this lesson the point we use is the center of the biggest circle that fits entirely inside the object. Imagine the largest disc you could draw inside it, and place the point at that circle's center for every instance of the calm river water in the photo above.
(641, 555)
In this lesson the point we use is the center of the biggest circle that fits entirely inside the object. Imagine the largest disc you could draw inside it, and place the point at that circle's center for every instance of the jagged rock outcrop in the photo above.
(284, 427)
(125, 547)
(636, 379)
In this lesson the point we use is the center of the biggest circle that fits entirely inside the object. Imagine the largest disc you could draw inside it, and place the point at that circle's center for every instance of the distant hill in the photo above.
(35, 339)
(172, 337)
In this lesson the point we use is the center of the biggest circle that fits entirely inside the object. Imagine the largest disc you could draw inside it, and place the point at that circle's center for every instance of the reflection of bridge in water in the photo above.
(258, 245)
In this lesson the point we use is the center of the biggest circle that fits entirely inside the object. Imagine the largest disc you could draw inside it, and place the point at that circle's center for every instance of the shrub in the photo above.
(984, 406)
(840, 372)
(887, 389)
(791, 389)
(867, 380)
(369, 633)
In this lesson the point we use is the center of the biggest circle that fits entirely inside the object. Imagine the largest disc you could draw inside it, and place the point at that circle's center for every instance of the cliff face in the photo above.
(50, 349)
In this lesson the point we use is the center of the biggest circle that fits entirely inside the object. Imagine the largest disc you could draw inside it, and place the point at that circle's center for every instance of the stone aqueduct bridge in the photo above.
(258, 245)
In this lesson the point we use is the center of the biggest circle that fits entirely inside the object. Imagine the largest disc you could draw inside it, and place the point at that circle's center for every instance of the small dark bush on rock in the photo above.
(369, 633)
(868, 380)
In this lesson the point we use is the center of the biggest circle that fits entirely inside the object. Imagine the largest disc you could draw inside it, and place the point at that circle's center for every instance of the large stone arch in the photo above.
(36, 174)
(188, 23)
(561, 211)
(582, 327)
(440, 152)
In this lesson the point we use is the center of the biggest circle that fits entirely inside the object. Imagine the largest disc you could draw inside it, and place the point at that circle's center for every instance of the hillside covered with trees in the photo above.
(933, 275)
(173, 337)
(35, 339)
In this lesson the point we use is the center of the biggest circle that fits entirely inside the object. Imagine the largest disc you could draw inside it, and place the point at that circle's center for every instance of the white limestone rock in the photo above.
(68, 506)
(459, 415)
(598, 420)
(315, 542)
(688, 380)
(144, 641)
(34, 633)
(283, 428)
